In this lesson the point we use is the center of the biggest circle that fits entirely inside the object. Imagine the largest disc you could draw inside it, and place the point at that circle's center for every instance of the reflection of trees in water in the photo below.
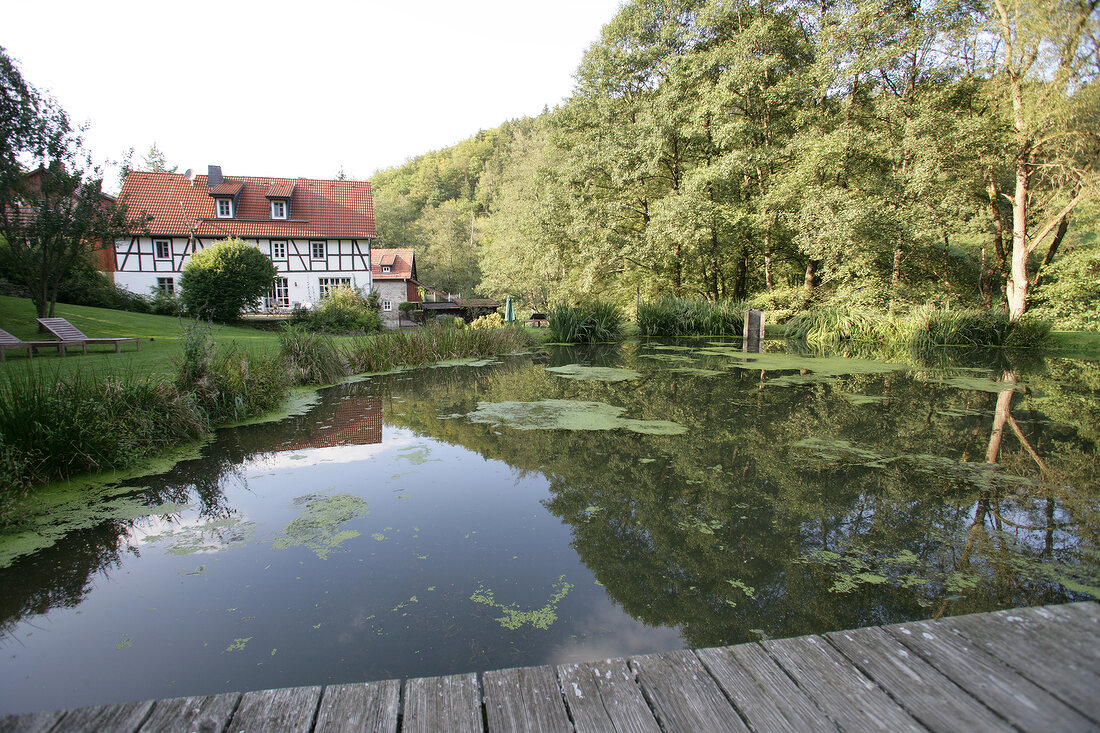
(730, 529)
(60, 575)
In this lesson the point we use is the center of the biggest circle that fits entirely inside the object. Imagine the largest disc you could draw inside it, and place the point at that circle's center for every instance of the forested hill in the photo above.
(860, 153)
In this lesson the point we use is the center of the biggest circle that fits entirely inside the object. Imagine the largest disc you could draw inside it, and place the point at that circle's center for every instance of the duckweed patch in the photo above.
(515, 618)
(238, 644)
(567, 415)
(594, 373)
(318, 525)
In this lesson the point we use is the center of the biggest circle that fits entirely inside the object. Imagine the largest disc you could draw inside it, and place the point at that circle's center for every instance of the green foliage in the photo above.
(85, 285)
(670, 318)
(312, 358)
(341, 311)
(224, 279)
(591, 322)
(228, 383)
(492, 320)
(55, 427)
(434, 343)
(1071, 296)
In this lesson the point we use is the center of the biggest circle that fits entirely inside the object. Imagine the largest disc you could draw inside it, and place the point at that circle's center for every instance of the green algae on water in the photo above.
(238, 644)
(567, 415)
(594, 373)
(318, 525)
(514, 618)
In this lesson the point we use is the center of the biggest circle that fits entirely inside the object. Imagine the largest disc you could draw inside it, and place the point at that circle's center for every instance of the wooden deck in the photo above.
(1034, 669)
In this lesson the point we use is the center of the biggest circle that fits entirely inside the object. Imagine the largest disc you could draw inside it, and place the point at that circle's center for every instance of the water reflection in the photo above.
(808, 493)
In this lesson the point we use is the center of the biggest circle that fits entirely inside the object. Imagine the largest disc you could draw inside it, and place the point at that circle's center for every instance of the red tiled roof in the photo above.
(226, 188)
(318, 208)
(400, 260)
(281, 190)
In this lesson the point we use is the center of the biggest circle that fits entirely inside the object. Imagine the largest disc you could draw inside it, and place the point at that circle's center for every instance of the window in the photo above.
(327, 284)
(225, 208)
(317, 250)
(386, 268)
(278, 250)
(166, 285)
(162, 250)
(280, 293)
(278, 209)
(387, 305)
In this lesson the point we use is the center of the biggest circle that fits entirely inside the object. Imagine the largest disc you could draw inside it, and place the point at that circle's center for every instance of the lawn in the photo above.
(160, 340)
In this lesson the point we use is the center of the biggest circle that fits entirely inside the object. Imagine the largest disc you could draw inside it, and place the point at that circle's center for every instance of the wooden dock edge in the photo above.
(1031, 669)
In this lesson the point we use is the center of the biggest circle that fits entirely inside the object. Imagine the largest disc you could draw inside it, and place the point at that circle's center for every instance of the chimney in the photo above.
(214, 175)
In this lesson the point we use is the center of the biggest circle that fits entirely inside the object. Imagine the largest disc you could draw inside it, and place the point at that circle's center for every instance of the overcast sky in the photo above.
(298, 89)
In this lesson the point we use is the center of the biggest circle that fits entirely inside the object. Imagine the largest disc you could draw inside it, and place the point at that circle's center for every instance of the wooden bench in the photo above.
(8, 342)
(70, 334)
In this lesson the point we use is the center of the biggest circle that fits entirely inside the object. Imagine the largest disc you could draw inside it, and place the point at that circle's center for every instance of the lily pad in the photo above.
(594, 373)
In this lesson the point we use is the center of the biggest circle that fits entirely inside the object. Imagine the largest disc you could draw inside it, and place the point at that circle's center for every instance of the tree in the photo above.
(1043, 64)
(154, 161)
(225, 278)
(57, 214)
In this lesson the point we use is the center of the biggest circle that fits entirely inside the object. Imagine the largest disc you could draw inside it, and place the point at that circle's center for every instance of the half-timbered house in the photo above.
(318, 233)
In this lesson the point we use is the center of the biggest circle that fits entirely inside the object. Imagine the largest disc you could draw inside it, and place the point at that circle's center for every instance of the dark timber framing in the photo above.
(341, 254)
(1024, 669)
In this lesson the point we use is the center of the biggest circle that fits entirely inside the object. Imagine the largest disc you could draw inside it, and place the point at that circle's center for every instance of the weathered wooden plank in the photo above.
(524, 699)
(123, 717)
(443, 703)
(209, 714)
(846, 695)
(1035, 649)
(603, 697)
(999, 687)
(762, 691)
(930, 697)
(30, 722)
(683, 695)
(1075, 619)
(287, 710)
(366, 706)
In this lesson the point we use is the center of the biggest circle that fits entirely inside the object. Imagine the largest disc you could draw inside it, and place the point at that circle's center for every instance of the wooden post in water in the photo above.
(754, 330)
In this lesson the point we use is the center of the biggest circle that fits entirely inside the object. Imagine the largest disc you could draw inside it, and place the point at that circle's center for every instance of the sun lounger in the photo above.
(70, 334)
(7, 342)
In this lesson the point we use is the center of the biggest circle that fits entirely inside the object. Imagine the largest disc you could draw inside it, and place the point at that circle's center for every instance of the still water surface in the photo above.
(544, 509)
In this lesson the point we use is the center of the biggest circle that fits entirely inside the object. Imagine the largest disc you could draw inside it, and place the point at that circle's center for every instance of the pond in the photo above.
(542, 509)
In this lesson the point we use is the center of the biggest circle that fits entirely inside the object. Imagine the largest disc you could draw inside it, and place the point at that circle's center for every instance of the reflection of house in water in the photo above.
(352, 420)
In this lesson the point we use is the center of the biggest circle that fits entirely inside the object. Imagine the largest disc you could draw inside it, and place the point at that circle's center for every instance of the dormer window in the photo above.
(278, 209)
(386, 269)
(224, 208)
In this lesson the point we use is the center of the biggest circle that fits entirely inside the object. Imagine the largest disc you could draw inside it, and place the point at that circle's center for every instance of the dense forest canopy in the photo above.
(879, 155)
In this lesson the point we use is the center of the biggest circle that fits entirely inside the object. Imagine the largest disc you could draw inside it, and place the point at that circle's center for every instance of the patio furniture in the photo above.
(70, 334)
(7, 341)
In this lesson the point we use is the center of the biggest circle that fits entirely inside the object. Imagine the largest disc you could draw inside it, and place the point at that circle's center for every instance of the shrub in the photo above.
(341, 311)
(85, 285)
(492, 320)
(225, 278)
(672, 317)
(451, 322)
(163, 303)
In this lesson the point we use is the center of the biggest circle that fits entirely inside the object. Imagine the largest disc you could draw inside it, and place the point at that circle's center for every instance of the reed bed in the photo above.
(588, 323)
(55, 426)
(920, 329)
(672, 318)
(382, 352)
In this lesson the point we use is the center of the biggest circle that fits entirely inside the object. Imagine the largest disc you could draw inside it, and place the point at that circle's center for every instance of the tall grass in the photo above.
(381, 352)
(53, 427)
(923, 328)
(672, 317)
(588, 323)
